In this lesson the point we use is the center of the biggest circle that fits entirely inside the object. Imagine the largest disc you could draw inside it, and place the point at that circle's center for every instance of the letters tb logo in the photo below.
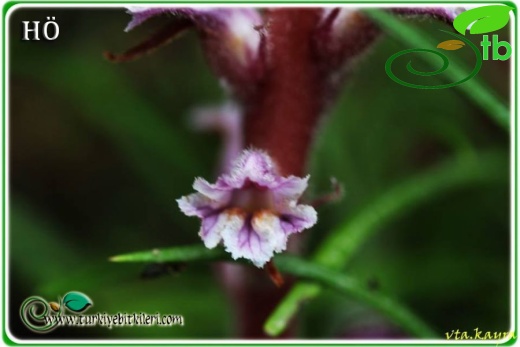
(49, 30)
(495, 45)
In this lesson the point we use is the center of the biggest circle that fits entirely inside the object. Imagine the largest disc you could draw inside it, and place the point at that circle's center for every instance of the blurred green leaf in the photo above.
(152, 147)
(31, 236)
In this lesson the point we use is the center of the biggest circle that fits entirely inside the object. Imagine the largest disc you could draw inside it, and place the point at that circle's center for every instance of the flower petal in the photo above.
(267, 224)
(296, 218)
(291, 187)
(214, 227)
(227, 120)
(213, 192)
(445, 14)
(257, 240)
(196, 205)
(142, 14)
(209, 230)
(252, 166)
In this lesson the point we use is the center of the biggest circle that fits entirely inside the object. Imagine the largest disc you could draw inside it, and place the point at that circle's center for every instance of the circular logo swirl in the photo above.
(33, 312)
(445, 64)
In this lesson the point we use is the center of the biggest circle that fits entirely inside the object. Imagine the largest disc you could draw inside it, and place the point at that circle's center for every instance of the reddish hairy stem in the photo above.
(281, 118)
(285, 111)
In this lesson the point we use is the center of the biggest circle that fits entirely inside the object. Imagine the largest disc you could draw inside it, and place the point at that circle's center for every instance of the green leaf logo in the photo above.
(76, 301)
(485, 19)
(451, 45)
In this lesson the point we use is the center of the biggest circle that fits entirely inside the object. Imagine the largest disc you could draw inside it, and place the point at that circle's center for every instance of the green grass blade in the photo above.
(346, 285)
(343, 242)
(173, 254)
(299, 267)
(283, 313)
(474, 89)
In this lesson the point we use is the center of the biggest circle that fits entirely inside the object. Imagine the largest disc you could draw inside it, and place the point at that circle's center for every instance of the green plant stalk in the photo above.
(344, 284)
(338, 248)
(474, 89)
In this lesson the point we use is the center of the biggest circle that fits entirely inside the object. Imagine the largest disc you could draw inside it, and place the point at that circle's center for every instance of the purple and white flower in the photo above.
(230, 38)
(252, 210)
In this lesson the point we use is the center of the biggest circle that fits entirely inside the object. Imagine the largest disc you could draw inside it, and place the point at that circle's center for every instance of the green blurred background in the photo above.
(98, 153)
